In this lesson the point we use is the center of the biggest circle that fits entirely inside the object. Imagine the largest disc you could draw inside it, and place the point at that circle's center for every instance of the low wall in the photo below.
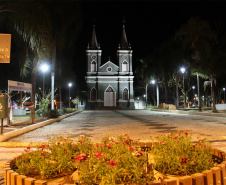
(221, 106)
(167, 106)
(214, 176)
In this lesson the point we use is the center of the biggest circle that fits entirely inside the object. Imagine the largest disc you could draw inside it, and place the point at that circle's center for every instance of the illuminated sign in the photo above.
(19, 86)
(5, 48)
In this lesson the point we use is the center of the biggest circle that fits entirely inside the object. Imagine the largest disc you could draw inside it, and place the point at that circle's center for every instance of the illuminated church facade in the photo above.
(109, 84)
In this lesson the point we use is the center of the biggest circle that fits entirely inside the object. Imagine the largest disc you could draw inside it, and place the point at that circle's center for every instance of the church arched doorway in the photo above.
(109, 97)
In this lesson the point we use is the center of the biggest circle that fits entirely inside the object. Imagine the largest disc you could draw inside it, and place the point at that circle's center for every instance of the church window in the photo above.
(93, 56)
(93, 66)
(93, 94)
(109, 89)
(125, 94)
(124, 57)
(109, 69)
(125, 66)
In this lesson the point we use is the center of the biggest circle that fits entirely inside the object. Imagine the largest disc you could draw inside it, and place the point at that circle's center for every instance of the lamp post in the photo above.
(183, 71)
(69, 85)
(224, 94)
(44, 68)
(193, 87)
(146, 92)
(153, 82)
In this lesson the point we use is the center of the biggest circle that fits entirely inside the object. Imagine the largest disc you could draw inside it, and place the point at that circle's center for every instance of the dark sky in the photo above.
(148, 23)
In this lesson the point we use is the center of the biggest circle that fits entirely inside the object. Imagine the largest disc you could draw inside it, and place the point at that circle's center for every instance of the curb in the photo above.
(17, 132)
(192, 113)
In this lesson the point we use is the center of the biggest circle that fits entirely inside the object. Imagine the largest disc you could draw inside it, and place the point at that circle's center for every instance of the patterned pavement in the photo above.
(7, 153)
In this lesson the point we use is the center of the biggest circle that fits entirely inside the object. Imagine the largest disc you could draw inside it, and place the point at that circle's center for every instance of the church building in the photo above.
(108, 84)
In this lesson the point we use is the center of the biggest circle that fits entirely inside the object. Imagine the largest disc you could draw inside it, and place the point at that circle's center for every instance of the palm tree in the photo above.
(196, 35)
(44, 27)
(142, 72)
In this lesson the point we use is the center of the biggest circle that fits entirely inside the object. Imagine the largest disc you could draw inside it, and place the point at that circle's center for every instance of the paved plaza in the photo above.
(139, 124)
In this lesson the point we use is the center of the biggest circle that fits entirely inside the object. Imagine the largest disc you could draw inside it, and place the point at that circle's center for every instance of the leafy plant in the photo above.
(75, 101)
(49, 160)
(43, 107)
(52, 113)
(115, 160)
(108, 162)
(112, 161)
(175, 154)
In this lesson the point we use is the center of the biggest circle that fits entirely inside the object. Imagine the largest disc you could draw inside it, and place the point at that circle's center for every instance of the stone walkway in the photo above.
(7, 153)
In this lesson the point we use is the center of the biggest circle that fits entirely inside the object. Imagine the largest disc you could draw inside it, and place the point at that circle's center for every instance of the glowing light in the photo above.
(182, 70)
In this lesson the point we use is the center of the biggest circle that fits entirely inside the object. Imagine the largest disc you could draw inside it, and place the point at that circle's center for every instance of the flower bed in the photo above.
(113, 161)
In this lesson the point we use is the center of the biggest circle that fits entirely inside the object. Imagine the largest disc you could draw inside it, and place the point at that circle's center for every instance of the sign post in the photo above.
(21, 86)
(3, 108)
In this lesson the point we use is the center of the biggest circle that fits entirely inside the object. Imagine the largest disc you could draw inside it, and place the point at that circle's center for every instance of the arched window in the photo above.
(93, 94)
(125, 94)
(109, 89)
(125, 66)
(93, 66)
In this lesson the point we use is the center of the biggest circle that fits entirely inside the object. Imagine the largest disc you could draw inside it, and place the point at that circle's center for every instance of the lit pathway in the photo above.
(139, 124)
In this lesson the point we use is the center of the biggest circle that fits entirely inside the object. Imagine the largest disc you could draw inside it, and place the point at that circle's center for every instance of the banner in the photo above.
(5, 48)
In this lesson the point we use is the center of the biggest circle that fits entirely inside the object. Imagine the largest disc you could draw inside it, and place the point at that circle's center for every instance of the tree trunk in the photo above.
(177, 95)
(166, 89)
(199, 96)
(213, 78)
(60, 84)
(33, 82)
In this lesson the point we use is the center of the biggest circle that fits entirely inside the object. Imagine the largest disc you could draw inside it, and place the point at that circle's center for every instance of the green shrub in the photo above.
(52, 113)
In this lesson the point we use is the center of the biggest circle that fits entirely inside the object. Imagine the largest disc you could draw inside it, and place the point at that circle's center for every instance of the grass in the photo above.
(22, 116)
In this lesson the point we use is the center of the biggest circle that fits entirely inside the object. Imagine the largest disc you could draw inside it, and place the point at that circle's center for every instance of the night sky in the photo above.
(148, 23)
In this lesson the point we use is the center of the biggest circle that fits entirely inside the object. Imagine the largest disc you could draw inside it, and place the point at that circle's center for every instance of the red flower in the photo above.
(81, 157)
(138, 153)
(27, 149)
(42, 146)
(98, 155)
(81, 141)
(131, 148)
(186, 133)
(202, 146)
(42, 154)
(112, 163)
(184, 160)
(109, 146)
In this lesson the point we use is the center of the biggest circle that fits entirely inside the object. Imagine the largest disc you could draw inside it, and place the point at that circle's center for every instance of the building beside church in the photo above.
(108, 84)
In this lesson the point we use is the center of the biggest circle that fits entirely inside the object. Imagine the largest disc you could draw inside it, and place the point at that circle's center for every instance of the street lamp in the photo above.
(224, 94)
(44, 68)
(153, 82)
(69, 85)
(183, 71)
(193, 87)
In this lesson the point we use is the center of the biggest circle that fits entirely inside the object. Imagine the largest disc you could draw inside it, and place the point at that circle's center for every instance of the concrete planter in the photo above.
(214, 176)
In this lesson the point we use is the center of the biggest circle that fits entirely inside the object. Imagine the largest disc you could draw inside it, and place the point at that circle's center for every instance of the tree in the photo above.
(44, 27)
(196, 35)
